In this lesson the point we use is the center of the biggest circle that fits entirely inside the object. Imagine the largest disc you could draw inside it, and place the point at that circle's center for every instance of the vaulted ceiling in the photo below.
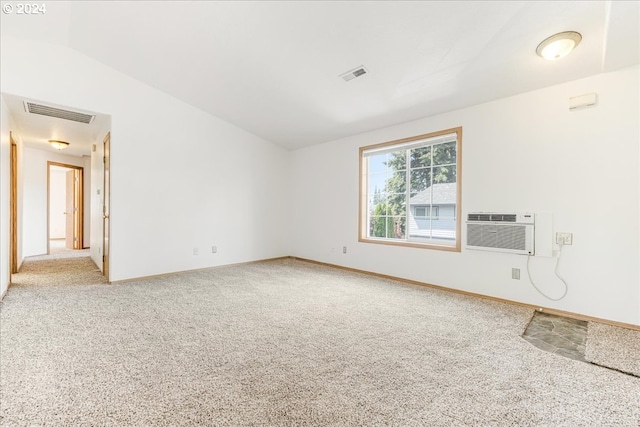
(273, 68)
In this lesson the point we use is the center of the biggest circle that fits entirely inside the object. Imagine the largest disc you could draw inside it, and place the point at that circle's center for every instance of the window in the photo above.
(410, 191)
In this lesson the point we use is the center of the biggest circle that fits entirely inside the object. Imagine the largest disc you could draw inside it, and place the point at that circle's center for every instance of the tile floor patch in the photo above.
(556, 334)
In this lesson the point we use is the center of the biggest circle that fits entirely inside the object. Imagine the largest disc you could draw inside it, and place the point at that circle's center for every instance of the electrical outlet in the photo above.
(344, 249)
(564, 238)
(515, 273)
(214, 249)
(195, 251)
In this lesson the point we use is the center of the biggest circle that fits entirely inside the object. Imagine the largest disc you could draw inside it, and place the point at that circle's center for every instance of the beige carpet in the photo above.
(287, 343)
(613, 347)
(58, 270)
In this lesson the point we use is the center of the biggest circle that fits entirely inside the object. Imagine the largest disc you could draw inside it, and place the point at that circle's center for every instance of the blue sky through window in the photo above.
(378, 172)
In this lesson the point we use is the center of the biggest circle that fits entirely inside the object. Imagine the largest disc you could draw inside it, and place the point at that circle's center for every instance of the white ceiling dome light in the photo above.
(558, 45)
(58, 145)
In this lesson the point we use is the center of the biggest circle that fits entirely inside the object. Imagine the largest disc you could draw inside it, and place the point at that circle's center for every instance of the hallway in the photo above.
(62, 267)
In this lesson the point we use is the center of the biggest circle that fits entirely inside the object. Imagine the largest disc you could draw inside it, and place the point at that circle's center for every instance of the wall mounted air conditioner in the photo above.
(501, 232)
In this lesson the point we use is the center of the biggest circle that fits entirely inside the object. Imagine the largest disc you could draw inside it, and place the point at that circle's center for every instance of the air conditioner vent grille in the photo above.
(59, 113)
(492, 217)
(497, 236)
(501, 232)
(503, 217)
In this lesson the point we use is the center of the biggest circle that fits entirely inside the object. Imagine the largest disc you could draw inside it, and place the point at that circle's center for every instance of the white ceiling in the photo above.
(272, 67)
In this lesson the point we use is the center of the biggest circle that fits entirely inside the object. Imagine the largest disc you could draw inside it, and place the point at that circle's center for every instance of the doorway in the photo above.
(65, 201)
(30, 212)
(13, 213)
(106, 205)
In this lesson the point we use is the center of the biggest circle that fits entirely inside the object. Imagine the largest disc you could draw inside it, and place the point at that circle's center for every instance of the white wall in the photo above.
(34, 218)
(181, 178)
(523, 153)
(57, 203)
(97, 184)
(86, 231)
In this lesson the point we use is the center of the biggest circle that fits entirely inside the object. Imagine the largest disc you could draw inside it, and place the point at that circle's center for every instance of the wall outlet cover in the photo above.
(564, 238)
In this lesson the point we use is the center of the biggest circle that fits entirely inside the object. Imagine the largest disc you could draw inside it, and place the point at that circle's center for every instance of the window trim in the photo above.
(363, 199)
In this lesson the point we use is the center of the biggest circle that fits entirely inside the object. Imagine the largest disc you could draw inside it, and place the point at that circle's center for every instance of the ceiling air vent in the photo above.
(356, 72)
(45, 110)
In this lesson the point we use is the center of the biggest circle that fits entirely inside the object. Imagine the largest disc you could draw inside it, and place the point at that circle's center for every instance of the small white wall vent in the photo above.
(59, 113)
(501, 232)
(352, 74)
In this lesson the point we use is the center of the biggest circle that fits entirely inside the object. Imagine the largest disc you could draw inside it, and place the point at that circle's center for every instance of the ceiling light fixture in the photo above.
(58, 145)
(558, 45)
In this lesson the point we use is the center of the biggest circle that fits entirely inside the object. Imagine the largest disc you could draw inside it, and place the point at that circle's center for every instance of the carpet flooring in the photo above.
(287, 343)
(613, 347)
(58, 271)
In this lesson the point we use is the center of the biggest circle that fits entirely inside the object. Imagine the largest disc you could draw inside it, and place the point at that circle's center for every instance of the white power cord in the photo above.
(566, 287)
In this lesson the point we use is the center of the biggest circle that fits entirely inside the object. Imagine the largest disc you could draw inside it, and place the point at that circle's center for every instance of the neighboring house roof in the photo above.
(443, 194)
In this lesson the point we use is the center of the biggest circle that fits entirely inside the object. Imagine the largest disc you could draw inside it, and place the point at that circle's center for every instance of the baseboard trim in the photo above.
(4, 293)
(587, 318)
(155, 276)
(548, 310)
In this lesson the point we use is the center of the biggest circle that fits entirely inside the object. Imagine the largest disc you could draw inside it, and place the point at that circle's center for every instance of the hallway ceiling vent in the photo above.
(59, 113)
(356, 72)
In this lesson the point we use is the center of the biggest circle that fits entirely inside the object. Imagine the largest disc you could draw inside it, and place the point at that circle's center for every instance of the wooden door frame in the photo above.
(70, 179)
(13, 212)
(106, 201)
(79, 197)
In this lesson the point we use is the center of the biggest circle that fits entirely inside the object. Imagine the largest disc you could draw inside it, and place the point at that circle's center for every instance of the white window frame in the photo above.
(409, 143)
